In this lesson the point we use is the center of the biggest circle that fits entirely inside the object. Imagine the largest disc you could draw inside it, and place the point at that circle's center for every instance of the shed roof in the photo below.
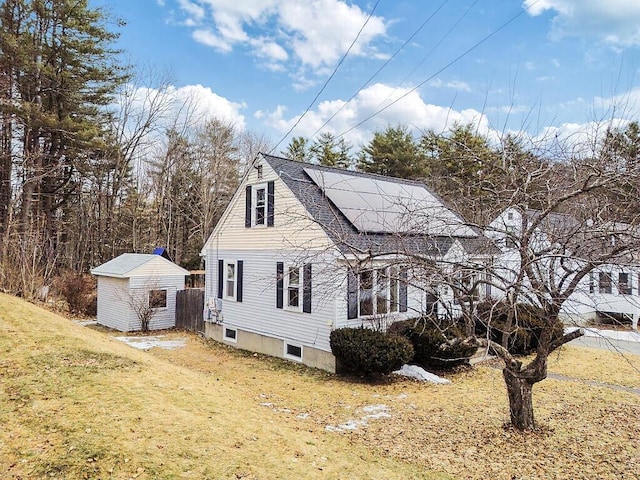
(131, 265)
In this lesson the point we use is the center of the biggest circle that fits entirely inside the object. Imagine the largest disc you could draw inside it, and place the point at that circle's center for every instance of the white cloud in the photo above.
(207, 37)
(454, 84)
(614, 22)
(188, 105)
(313, 33)
(410, 110)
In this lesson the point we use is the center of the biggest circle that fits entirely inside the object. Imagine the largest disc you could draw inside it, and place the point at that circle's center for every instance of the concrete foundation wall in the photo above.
(274, 347)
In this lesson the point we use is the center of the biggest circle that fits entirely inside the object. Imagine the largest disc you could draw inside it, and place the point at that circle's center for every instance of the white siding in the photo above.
(114, 310)
(293, 227)
(163, 317)
(257, 312)
(158, 268)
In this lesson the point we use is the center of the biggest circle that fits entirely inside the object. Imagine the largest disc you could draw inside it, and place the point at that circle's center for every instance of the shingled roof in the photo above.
(346, 236)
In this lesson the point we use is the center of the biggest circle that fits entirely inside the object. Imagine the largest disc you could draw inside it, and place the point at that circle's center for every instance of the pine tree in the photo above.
(393, 152)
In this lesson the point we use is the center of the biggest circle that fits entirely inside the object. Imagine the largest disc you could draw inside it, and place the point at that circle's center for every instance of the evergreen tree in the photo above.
(298, 149)
(330, 152)
(393, 152)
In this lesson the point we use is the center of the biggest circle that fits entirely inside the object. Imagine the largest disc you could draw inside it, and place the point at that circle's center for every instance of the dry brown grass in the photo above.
(77, 404)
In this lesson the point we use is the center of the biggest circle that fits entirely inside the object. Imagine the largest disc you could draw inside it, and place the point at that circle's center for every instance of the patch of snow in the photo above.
(266, 404)
(302, 416)
(374, 408)
(622, 335)
(145, 343)
(374, 416)
(350, 425)
(86, 323)
(419, 373)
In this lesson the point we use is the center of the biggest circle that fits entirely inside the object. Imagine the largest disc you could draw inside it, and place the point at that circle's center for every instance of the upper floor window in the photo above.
(260, 205)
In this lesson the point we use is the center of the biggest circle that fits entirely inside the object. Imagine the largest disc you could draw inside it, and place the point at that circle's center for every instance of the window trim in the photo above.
(166, 298)
(608, 285)
(292, 356)
(391, 288)
(225, 338)
(287, 288)
(625, 288)
(225, 292)
(254, 202)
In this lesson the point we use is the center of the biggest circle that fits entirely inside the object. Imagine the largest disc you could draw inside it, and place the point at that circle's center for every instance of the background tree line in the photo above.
(92, 164)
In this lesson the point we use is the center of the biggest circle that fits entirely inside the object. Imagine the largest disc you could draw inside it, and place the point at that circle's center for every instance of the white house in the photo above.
(135, 284)
(610, 291)
(304, 249)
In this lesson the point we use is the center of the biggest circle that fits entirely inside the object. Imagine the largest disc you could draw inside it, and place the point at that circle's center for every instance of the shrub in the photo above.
(524, 333)
(436, 342)
(79, 291)
(362, 350)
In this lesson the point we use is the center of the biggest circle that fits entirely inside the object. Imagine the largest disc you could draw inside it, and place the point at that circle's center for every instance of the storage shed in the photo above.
(135, 288)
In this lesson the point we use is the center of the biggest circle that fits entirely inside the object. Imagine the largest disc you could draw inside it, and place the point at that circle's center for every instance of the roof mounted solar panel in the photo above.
(383, 206)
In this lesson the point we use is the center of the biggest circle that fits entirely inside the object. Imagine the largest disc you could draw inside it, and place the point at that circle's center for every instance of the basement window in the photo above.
(230, 334)
(293, 352)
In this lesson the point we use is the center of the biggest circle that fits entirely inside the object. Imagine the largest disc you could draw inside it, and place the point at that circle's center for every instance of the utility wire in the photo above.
(381, 68)
(455, 60)
(330, 77)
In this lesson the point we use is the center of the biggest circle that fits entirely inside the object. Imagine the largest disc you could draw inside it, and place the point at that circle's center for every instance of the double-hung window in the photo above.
(293, 288)
(260, 213)
(230, 280)
(230, 275)
(624, 287)
(260, 206)
(604, 282)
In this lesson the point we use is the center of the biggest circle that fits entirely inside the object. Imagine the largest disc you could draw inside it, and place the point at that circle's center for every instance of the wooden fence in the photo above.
(189, 307)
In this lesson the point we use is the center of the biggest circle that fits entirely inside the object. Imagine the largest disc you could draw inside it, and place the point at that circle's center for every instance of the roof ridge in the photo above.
(356, 173)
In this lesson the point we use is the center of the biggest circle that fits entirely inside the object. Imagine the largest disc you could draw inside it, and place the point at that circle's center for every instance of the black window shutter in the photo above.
(306, 288)
(239, 280)
(220, 277)
(352, 294)
(403, 289)
(279, 284)
(247, 210)
(270, 204)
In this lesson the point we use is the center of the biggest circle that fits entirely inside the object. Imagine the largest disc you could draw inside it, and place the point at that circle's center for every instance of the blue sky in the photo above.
(544, 67)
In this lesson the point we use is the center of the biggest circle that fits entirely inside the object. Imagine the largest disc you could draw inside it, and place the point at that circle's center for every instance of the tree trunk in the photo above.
(520, 394)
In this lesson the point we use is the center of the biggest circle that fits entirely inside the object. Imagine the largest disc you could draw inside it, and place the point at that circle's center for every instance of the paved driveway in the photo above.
(615, 341)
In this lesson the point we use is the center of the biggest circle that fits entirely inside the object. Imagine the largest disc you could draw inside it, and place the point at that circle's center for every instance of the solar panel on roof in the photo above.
(383, 206)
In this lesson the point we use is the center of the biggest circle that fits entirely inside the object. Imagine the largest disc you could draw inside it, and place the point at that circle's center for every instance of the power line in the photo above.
(455, 60)
(381, 68)
(330, 77)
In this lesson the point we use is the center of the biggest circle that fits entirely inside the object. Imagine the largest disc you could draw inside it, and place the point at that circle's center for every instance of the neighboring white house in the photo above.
(303, 249)
(135, 283)
(610, 291)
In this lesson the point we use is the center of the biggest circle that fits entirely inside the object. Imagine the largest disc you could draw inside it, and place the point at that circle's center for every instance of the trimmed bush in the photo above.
(523, 335)
(435, 342)
(366, 351)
